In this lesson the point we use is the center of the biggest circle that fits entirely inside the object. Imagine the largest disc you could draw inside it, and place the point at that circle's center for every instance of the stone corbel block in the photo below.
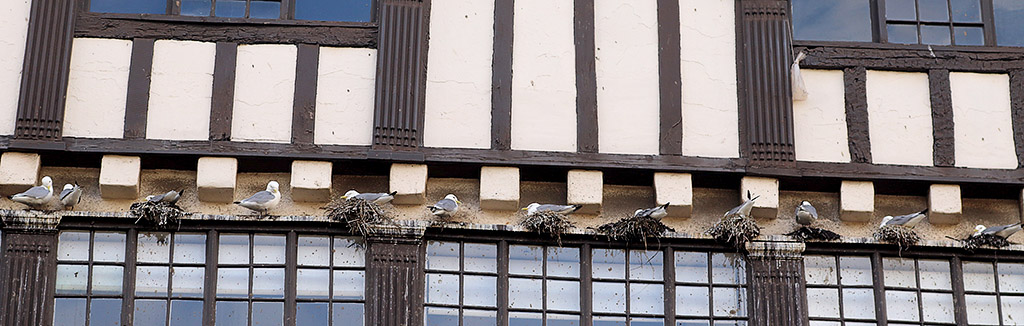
(311, 181)
(585, 188)
(410, 181)
(499, 188)
(856, 201)
(215, 179)
(766, 206)
(119, 177)
(18, 172)
(944, 204)
(677, 190)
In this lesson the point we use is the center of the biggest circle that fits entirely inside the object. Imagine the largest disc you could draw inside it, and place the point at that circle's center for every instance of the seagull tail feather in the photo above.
(237, 202)
(393, 193)
(665, 206)
(924, 211)
(576, 207)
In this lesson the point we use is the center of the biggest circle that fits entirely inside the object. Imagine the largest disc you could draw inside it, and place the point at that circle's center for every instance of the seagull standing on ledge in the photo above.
(171, 197)
(36, 196)
(263, 201)
(535, 208)
(743, 210)
(653, 212)
(1004, 231)
(71, 195)
(909, 220)
(378, 198)
(445, 207)
(806, 214)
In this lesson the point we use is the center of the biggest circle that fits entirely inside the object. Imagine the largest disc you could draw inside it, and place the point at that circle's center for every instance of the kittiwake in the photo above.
(535, 208)
(263, 201)
(654, 212)
(445, 207)
(806, 214)
(37, 196)
(372, 197)
(909, 220)
(71, 195)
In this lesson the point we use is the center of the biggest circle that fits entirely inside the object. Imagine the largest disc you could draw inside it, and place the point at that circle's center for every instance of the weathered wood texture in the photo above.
(501, 75)
(766, 57)
(908, 58)
(223, 100)
(1017, 112)
(139, 76)
(586, 77)
(395, 280)
(304, 110)
(942, 118)
(777, 292)
(27, 278)
(669, 78)
(44, 77)
(215, 29)
(401, 75)
(859, 138)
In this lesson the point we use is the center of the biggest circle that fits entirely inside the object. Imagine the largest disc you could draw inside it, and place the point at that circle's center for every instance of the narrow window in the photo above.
(250, 279)
(840, 290)
(544, 285)
(918, 290)
(90, 274)
(994, 293)
(710, 288)
(461, 284)
(329, 281)
(169, 279)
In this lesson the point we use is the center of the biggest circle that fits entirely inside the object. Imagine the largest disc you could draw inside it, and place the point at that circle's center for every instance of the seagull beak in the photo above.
(344, 197)
(523, 209)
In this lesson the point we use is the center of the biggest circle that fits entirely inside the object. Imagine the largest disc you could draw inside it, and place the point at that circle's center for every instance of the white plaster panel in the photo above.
(180, 90)
(458, 94)
(981, 121)
(344, 96)
(544, 78)
(97, 88)
(13, 33)
(820, 121)
(708, 54)
(264, 91)
(626, 39)
(899, 118)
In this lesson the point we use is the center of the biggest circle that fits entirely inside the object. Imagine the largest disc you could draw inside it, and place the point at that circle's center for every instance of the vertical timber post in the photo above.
(29, 269)
(777, 290)
(394, 281)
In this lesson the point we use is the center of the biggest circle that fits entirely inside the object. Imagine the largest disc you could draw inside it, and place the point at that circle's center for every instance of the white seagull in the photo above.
(263, 201)
(909, 220)
(743, 210)
(445, 207)
(1003, 231)
(372, 197)
(535, 208)
(36, 196)
(71, 195)
(654, 212)
(171, 197)
(806, 214)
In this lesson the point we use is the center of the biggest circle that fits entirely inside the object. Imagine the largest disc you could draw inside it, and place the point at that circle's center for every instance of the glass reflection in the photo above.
(108, 247)
(150, 312)
(312, 314)
(443, 255)
(609, 297)
(901, 33)
(338, 10)
(859, 303)
(563, 320)
(264, 9)
(983, 309)
(233, 249)
(268, 283)
(480, 257)
(151, 280)
(186, 313)
(935, 35)
(900, 10)
(479, 290)
(441, 316)
(348, 285)
(645, 265)
(347, 314)
(691, 267)
(479, 318)
(268, 249)
(609, 321)
(69, 311)
(189, 248)
(232, 313)
(73, 245)
(969, 35)
(646, 298)
(72, 279)
(105, 312)
(899, 272)
(563, 262)
(934, 274)
(1009, 22)
(312, 283)
(937, 307)
(188, 282)
(933, 10)
(832, 20)
(901, 305)
(154, 247)
(728, 268)
(525, 293)
(825, 302)
(1011, 277)
(855, 270)
(196, 7)
(524, 319)
(442, 289)
(233, 282)
(348, 252)
(820, 270)
(314, 251)
(563, 295)
(966, 11)
(267, 313)
(525, 260)
(730, 302)
(107, 280)
(609, 263)
(692, 301)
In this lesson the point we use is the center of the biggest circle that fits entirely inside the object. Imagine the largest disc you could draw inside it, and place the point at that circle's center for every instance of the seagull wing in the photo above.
(812, 210)
(65, 193)
(37, 192)
(447, 205)
(734, 210)
(998, 229)
(646, 212)
(555, 208)
(370, 197)
(904, 219)
(261, 197)
(157, 198)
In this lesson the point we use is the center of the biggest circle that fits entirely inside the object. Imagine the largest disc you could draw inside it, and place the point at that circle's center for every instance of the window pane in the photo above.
(187, 282)
(646, 298)
(69, 311)
(150, 312)
(443, 255)
(899, 272)
(333, 10)
(900, 10)
(267, 313)
(232, 313)
(979, 277)
(824, 302)
(105, 312)
(479, 290)
(107, 279)
(935, 35)
(479, 318)
(313, 283)
(730, 302)
(691, 267)
(563, 320)
(692, 301)
(151, 280)
(820, 269)
(129, 6)
(609, 297)
(233, 282)
(935, 274)
(900, 33)
(348, 252)
(525, 260)
(966, 11)
(700, 323)
(230, 8)
(525, 293)
(646, 265)
(982, 309)
(938, 307)
(1009, 21)
(196, 8)
(312, 314)
(265, 9)
(440, 317)
(154, 247)
(442, 289)
(564, 262)
(233, 249)
(268, 283)
(268, 249)
(347, 314)
(728, 269)
(73, 246)
(609, 321)
(646, 322)
(1012, 306)
(108, 247)
(186, 312)
(480, 257)
(832, 20)
(72, 279)
(609, 263)
(190, 248)
(563, 295)
(969, 35)
(859, 303)
(933, 10)
(314, 251)
(524, 319)
(901, 305)
(855, 270)
(348, 285)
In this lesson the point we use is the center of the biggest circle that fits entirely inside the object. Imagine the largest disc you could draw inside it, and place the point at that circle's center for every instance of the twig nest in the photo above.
(899, 235)
(974, 242)
(359, 215)
(634, 229)
(550, 223)
(159, 214)
(805, 233)
(735, 231)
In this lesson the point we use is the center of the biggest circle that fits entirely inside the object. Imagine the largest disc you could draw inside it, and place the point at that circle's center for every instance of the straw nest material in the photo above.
(805, 233)
(735, 231)
(899, 235)
(634, 229)
(159, 214)
(359, 215)
(974, 242)
(550, 223)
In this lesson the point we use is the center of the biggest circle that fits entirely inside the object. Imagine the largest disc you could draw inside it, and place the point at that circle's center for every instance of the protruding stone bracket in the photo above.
(398, 232)
(36, 221)
(775, 249)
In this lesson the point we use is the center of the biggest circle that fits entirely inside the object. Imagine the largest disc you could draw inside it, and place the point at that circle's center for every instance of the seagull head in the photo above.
(637, 212)
(149, 198)
(453, 198)
(532, 207)
(978, 229)
(48, 182)
(273, 187)
(805, 203)
(350, 194)
(68, 186)
(885, 219)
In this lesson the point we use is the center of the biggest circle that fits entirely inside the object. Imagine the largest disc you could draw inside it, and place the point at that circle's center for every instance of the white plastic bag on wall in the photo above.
(797, 79)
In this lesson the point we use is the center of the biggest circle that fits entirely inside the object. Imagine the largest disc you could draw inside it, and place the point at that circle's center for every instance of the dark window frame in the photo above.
(287, 16)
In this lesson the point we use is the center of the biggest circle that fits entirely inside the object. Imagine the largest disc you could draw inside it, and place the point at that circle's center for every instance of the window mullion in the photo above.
(210, 283)
(290, 283)
(502, 286)
(586, 287)
(878, 11)
(959, 299)
(988, 20)
(878, 277)
(669, 277)
(999, 296)
(128, 285)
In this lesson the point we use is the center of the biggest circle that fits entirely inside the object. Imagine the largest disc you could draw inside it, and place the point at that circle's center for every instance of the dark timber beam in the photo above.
(140, 74)
(766, 54)
(44, 77)
(858, 136)
(1017, 112)
(501, 75)
(304, 110)
(943, 151)
(670, 79)
(401, 75)
(586, 77)
(223, 100)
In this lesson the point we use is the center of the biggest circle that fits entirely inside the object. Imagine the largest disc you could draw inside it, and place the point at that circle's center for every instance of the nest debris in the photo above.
(805, 233)
(735, 231)
(899, 235)
(359, 215)
(550, 223)
(974, 242)
(160, 214)
(634, 229)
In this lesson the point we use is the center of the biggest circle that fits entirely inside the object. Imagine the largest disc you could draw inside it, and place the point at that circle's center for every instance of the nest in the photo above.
(359, 215)
(634, 229)
(159, 214)
(974, 242)
(735, 231)
(550, 223)
(805, 233)
(899, 235)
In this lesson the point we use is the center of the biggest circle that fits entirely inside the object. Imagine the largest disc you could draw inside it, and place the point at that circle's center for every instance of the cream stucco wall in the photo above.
(344, 97)
(708, 50)
(981, 121)
(626, 39)
(544, 78)
(458, 97)
(264, 91)
(180, 90)
(899, 118)
(13, 33)
(820, 121)
(97, 88)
